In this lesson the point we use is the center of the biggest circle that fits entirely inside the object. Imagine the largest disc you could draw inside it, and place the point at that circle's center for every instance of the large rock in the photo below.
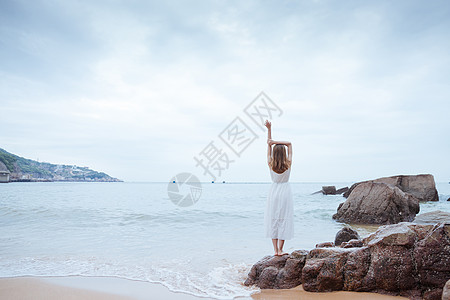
(402, 259)
(446, 291)
(377, 203)
(341, 190)
(324, 269)
(421, 186)
(329, 190)
(407, 259)
(432, 256)
(433, 217)
(344, 235)
(278, 272)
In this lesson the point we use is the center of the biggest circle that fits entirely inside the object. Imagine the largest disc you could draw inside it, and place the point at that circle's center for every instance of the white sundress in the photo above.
(279, 215)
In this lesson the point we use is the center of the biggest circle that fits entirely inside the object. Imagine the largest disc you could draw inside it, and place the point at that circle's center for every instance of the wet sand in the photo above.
(299, 293)
(112, 288)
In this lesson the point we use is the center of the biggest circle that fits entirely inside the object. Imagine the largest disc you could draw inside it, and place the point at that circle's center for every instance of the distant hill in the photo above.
(23, 169)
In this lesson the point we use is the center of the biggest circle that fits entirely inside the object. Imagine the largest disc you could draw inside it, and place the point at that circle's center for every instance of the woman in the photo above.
(279, 216)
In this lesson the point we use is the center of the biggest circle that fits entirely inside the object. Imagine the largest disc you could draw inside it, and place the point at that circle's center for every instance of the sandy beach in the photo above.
(111, 288)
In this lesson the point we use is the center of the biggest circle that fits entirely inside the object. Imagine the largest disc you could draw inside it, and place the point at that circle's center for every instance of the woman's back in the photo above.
(280, 178)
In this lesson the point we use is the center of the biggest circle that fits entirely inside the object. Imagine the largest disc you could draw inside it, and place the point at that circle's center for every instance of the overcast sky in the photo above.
(138, 88)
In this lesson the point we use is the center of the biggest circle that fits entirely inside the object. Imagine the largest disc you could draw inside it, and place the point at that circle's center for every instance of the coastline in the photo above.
(85, 288)
(114, 288)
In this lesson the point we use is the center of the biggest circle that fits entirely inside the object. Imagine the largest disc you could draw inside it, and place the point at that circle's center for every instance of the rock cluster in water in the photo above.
(407, 259)
(421, 186)
(387, 200)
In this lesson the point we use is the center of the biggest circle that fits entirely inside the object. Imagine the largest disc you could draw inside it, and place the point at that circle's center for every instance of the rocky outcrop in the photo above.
(341, 190)
(26, 170)
(323, 270)
(344, 235)
(446, 291)
(433, 217)
(421, 186)
(331, 190)
(325, 245)
(405, 259)
(278, 272)
(377, 203)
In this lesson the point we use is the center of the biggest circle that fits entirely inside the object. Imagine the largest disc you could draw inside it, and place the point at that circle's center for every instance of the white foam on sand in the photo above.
(223, 282)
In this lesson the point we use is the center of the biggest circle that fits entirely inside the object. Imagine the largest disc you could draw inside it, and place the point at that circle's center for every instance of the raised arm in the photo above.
(269, 141)
(288, 144)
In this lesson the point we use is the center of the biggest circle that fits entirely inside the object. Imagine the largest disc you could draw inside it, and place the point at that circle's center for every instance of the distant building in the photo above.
(4, 173)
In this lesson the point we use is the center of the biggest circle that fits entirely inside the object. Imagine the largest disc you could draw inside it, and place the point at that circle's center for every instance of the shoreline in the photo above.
(115, 288)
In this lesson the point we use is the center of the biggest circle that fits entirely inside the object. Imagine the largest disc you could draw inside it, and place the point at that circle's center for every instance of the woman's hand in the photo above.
(270, 142)
(268, 124)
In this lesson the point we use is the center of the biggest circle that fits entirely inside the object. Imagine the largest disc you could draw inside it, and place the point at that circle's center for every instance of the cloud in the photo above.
(137, 89)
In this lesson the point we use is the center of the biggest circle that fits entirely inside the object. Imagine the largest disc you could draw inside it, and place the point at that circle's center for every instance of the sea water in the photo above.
(134, 231)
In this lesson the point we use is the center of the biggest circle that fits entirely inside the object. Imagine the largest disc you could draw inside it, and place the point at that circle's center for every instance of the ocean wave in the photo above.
(221, 282)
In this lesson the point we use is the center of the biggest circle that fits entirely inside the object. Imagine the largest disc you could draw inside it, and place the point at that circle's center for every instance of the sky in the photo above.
(137, 89)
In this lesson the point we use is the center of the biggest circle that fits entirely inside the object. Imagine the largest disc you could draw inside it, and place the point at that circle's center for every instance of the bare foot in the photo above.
(281, 253)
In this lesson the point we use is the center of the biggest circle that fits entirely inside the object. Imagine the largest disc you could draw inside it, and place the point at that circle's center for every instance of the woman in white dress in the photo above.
(279, 215)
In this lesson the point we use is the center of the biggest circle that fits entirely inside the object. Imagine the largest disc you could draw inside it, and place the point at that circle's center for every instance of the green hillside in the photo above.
(33, 170)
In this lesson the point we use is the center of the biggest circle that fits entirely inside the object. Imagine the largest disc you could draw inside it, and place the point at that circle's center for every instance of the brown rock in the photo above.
(268, 277)
(433, 217)
(352, 187)
(377, 203)
(278, 272)
(329, 190)
(344, 235)
(325, 245)
(432, 257)
(323, 270)
(392, 235)
(254, 276)
(435, 294)
(406, 259)
(391, 268)
(352, 244)
(421, 186)
(341, 190)
(402, 259)
(355, 271)
(446, 291)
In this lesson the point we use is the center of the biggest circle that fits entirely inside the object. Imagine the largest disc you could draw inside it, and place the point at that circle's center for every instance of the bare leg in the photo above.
(280, 247)
(275, 246)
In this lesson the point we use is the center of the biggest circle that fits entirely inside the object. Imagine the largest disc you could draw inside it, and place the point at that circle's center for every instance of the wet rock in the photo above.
(435, 294)
(278, 272)
(393, 235)
(352, 244)
(421, 186)
(323, 270)
(433, 217)
(407, 259)
(344, 235)
(377, 203)
(432, 257)
(355, 272)
(325, 245)
(341, 190)
(446, 291)
(401, 259)
(329, 190)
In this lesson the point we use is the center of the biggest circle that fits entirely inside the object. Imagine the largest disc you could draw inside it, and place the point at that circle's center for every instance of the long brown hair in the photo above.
(279, 162)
